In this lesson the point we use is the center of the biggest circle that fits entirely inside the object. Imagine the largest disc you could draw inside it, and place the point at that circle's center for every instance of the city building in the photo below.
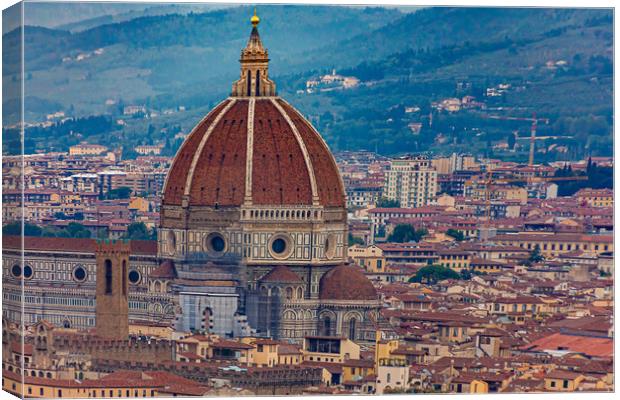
(412, 181)
(86, 149)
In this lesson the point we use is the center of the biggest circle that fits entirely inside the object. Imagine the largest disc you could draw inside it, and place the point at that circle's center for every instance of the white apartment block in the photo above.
(412, 181)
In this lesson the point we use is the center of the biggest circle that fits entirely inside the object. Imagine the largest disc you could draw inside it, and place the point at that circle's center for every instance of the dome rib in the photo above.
(304, 150)
(331, 191)
(220, 171)
(249, 153)
(253, 151)
(203, 141)
(180, 162)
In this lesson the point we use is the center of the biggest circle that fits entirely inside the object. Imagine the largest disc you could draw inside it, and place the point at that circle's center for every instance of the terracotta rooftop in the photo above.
(290, 161)
(346, 282)
(165, 270)
(562, 374)
(281, 274)
(231, 344)
(143, 247)
(591, 346)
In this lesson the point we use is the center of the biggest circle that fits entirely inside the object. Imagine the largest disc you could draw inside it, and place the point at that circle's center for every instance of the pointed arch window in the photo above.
(352, 328)
(108, 276)
(257, 84)
(327, 326)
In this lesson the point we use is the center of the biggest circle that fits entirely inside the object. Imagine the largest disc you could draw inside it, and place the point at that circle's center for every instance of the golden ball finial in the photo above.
(255, 20)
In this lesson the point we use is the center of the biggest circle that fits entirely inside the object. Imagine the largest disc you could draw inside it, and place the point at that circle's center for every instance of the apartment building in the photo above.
(412, 181)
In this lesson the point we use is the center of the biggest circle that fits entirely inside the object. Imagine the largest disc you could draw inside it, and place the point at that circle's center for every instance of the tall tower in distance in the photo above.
(112, 306)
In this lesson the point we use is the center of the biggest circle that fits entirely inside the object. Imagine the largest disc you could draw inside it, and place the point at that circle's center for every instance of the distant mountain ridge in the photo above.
(161, 9)
(164, 61)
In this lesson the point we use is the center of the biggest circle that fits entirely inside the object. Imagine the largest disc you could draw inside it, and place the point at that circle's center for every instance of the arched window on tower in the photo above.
(207, 320)
(249, 83)
(289, 293)
(327, 326)
(257, 83)
(108, 276)
(352, 327)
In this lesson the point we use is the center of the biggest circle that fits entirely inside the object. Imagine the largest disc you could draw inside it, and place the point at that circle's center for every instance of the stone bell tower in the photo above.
(112, 308)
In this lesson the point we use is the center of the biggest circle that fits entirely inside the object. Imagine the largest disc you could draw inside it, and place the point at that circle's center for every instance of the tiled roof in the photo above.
(231, 344)
(281, 273)
(591, 346)
(215, 165)
(346, 282)
(562, 374)
(165, 270)
(26, 349)
(144, 247)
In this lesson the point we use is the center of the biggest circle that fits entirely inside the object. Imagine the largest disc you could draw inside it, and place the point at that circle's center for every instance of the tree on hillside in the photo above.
(536, 255)
(15, 228)
(404, 233)
(384, 202)
(432, 274)
(139, 231)
(74, 230)
(512, 140)
(465, 274)
(355, 240)
(456, 234)
(122, 192)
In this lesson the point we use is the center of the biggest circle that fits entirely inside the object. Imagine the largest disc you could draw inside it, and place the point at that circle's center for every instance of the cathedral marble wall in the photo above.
(59, 286)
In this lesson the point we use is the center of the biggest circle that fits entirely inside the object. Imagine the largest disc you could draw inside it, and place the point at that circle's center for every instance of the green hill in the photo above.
(557, 62)
(187, 59)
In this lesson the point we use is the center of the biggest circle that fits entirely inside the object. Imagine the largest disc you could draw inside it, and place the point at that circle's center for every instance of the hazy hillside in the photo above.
(557, 62)
(54, 13)
(435, 27)
(171, 55)
(159, 9)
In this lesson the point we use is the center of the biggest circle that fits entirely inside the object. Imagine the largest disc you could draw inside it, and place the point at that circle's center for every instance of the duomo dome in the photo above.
(254, 164)
(254, 151)
(254, 220)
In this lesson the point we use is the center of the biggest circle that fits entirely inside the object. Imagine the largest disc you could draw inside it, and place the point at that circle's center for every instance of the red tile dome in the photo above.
(256, 150)
(346, 282)
(281, 274)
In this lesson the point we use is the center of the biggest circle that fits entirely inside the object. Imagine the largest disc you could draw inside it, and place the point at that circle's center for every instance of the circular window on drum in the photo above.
(134, 277)
(28, 273)
(79, 274)
(215, 243)
(330, 246)
(280, 246)
(16, 271)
